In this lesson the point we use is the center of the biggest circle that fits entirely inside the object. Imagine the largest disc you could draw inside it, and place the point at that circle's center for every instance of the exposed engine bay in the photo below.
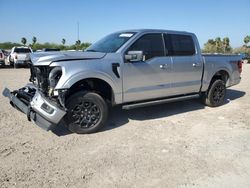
(45, 79)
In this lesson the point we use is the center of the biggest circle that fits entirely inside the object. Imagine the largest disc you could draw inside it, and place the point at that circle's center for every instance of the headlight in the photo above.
(54, 76)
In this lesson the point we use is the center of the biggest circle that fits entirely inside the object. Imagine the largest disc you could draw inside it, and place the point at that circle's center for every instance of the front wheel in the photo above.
(215, 96)
(87, 112)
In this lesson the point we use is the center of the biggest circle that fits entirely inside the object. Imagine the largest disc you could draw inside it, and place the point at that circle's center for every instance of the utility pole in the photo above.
(77, 30)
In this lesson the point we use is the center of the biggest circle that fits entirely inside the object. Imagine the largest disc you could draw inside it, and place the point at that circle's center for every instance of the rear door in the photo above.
(187, 63)
(150, 78)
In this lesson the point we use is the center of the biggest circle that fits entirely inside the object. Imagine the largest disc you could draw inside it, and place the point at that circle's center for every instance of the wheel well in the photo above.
(221, 75)
(95, 85)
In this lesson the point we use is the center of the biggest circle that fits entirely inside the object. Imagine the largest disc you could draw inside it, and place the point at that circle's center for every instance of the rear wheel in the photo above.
(87, 112)
(216, 93)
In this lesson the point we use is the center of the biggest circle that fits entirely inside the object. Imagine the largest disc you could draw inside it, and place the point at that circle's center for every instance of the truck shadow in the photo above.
(233, 95)
(119, 117)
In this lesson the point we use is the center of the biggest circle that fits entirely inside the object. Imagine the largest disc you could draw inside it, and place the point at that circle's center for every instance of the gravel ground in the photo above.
(182, 144)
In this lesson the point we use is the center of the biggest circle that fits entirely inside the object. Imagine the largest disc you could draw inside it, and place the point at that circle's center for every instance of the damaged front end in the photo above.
(39, 100)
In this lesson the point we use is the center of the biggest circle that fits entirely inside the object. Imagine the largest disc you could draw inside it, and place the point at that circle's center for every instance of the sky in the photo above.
(52, 20)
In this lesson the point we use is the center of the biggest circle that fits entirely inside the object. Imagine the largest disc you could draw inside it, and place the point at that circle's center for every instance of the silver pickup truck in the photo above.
(132, 68)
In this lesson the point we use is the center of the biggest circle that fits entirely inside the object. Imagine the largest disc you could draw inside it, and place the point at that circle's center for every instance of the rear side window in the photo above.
(150, 44)
(181, 45)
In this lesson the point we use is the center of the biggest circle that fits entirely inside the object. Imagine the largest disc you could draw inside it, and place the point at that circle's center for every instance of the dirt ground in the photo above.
(180, 144)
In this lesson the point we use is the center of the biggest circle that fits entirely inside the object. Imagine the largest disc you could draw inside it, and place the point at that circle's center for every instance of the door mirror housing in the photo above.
(134, 56)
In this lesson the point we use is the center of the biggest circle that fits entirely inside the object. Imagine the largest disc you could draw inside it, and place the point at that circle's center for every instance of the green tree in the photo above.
(24, 41)
(34, 40)
(226, 45)
(84, 45)
(37, 46)
(209, 47)
(246, 40)
(218, 45)
(242, 50)
(63, 41)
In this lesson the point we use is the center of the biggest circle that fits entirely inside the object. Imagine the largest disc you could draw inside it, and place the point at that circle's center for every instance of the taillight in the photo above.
(240, 66)
(16, 56)
(1, 55)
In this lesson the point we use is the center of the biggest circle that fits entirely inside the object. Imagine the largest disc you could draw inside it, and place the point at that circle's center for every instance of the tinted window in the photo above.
(22, 50)
(181, 45)
(150, 44)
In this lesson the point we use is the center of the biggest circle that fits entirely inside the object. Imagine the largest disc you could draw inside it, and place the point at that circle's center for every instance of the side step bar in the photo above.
(161, 101)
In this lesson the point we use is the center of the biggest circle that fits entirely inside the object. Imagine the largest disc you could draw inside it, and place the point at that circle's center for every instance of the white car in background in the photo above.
(19, 56)
(2, 63)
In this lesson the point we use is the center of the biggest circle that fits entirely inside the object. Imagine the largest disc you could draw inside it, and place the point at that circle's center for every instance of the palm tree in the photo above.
(34, 40)
(23, 41)
(63, 41)
(246, 40)
(78, 43)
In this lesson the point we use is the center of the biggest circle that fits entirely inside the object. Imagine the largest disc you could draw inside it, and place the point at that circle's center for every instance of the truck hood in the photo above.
(46, 58)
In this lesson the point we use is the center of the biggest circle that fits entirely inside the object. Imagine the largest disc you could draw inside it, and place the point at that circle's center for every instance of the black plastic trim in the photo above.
(115, 69)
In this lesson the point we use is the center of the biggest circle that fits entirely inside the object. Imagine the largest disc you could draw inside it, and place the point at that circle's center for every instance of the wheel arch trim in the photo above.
(96, 75)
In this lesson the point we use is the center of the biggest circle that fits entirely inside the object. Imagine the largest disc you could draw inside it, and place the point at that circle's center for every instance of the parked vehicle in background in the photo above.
(20, 56)
(6, 53)
(133, 68)
(246, 57)
(2, 58)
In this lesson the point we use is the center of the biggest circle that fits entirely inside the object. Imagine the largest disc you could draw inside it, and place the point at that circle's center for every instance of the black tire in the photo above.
(2, 65)
(215, 96)
(87, 112)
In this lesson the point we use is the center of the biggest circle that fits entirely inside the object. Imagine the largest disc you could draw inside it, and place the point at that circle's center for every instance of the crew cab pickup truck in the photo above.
(133, 68)
(19, 56)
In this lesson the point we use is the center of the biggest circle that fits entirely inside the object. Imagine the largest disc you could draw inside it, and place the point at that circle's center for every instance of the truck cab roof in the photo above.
(155, 30)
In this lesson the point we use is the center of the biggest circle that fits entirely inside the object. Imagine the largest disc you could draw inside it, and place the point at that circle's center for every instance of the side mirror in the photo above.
(134, 56)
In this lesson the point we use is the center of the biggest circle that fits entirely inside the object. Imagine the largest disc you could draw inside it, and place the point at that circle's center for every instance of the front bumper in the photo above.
(38, 109)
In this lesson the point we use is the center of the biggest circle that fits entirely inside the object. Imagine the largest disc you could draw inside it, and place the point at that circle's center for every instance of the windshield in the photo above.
(110, 43)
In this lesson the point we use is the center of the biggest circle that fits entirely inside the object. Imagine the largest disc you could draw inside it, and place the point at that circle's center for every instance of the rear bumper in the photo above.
(37, 108)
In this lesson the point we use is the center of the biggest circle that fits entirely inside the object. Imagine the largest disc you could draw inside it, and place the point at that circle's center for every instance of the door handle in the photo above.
(196, 64)
(163, 66)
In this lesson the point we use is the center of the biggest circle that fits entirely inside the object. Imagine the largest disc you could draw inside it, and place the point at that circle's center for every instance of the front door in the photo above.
(150, 78)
